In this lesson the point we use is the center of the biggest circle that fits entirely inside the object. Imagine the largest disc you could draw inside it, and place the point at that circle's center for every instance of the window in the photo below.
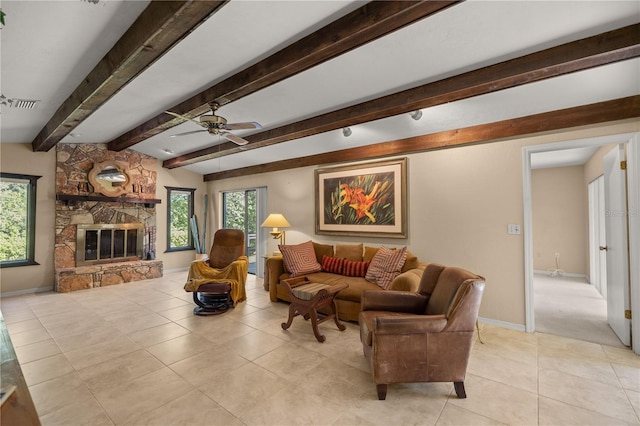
(179, 212)
(18, 219)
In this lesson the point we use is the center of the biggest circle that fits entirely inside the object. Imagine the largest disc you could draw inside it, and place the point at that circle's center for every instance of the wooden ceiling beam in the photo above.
(158, 28)
(590, 52)
(365, 24)
(601, 112)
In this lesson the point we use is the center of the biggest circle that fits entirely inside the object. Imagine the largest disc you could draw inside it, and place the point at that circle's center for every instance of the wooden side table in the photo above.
(307, 297)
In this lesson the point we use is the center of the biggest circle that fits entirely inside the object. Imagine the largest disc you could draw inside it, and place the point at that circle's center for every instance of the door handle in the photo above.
(604, 248)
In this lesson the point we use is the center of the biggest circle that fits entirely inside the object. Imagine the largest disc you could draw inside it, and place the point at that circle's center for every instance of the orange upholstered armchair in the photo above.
(425, 336)
(221, 279)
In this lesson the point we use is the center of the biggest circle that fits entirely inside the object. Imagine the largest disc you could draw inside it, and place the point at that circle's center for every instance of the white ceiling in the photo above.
(562, 158)
(48, 47)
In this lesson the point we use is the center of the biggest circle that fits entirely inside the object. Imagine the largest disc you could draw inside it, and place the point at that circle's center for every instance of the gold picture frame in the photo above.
(364, 200)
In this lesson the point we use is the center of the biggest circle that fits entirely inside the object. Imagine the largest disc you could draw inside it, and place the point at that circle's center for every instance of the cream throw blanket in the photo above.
(235, 273)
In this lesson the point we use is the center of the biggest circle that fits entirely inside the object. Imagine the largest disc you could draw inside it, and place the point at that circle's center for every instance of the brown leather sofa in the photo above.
(424, 336)
(348, 300)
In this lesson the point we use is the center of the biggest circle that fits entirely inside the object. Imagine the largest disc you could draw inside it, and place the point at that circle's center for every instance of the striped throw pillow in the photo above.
(300, 259)
(385, 266)
(332, 264)
(355, 269)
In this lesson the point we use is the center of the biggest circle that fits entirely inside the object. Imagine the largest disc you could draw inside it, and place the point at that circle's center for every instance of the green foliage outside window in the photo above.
(234, 213)
(17, 220)
(240, 212)
(180, 210)
(13, 221)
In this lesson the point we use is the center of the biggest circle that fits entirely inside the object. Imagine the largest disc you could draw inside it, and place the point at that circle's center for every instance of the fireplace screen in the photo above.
(109, 243)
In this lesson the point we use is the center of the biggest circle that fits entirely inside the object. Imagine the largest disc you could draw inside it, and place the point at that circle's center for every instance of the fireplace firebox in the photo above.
(106, 243)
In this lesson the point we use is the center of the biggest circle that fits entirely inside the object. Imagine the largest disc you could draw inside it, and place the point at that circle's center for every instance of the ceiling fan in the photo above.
(217, 125)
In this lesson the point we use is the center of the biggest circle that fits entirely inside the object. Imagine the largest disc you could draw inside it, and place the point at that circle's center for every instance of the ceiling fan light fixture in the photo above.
(416, 115)
(217, 125)
(346, 132)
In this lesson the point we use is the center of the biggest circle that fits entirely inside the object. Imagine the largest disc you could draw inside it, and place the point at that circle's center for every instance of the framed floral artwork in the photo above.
(367, 199)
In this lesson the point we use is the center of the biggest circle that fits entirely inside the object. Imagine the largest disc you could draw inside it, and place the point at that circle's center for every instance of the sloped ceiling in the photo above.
(465, 65)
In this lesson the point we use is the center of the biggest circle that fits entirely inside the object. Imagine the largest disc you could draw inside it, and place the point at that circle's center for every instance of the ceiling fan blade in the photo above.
(235, 139)
(242, 126)
(186, 118)
(187, 133)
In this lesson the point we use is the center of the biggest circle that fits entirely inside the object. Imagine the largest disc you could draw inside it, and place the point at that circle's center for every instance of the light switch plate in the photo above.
(513, 229)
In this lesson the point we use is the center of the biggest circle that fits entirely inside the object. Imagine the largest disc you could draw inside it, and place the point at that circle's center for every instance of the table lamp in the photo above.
(275, 221)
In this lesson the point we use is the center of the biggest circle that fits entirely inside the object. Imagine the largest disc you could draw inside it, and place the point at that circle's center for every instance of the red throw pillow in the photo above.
(332, 264)
(300, 259)
(355, 269)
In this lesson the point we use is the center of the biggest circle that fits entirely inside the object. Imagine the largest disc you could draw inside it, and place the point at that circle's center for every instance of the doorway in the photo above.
(565, 301)
(631, 140)
(245, 209)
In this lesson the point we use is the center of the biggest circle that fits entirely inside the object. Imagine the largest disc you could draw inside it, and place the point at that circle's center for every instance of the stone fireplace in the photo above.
(104, 239)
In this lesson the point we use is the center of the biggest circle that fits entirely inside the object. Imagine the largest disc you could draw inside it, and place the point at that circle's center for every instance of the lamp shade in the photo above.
(276, 220)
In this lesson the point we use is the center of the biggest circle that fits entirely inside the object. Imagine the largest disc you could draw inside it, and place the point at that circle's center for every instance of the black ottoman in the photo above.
(212, 299)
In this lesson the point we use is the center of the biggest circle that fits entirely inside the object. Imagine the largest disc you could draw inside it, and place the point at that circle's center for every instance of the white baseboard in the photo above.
(27, 291)
(564, 274)
(503, 324)
(168, 271)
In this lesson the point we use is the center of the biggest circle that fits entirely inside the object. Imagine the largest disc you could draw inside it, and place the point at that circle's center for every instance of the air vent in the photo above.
(24, 103)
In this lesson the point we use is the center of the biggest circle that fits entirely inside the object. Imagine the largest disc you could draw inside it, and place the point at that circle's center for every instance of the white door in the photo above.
(616, 248)
(597, 237)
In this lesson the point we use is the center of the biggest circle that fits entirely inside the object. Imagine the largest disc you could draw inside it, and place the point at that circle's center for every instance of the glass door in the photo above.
(239, 211)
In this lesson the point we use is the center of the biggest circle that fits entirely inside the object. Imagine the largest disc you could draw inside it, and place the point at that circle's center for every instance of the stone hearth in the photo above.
(74, 163)
(83, 277)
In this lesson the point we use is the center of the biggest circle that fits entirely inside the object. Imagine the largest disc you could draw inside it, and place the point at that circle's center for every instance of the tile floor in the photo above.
(134, 354)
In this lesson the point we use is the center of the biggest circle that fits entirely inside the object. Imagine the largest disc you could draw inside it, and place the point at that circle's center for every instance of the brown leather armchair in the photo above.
(221, 279)
(425, 336)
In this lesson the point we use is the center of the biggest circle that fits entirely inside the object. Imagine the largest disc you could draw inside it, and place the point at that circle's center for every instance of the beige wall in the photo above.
(460, 203)
(183, 179)
(560, 219)
(19, 158)
(561, 214)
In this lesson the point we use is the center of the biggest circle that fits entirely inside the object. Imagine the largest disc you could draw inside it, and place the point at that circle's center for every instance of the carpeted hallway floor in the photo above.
(570, 307)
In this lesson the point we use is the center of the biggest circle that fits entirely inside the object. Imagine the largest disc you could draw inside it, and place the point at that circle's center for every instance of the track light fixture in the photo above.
(4, 101)
(416, 115)
(346, 132)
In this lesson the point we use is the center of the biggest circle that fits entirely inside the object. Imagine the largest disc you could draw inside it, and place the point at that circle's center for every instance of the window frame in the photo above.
(32, 187)
(190, 243)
